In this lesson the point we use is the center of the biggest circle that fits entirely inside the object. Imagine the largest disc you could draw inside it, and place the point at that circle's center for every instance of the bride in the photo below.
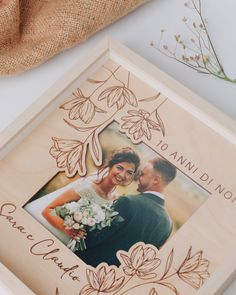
(119, 170)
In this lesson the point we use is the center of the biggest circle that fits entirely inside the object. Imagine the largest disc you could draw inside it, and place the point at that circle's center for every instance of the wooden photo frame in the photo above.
(62, 133)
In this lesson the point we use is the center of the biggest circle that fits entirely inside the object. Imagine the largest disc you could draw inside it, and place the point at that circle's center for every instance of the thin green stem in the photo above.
(171, 55)
(225, 78)
(207, 33)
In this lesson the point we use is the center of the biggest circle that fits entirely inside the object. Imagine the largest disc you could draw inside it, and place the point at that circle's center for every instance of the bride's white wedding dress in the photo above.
(82, 186)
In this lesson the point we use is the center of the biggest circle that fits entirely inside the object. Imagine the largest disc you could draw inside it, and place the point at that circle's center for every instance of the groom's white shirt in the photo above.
(160, 195)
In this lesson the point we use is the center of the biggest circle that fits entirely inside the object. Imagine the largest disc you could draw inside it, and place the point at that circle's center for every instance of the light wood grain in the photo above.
(194, 130)
(10, 284)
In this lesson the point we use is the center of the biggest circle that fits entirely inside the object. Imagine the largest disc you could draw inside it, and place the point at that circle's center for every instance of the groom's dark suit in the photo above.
(145, 220)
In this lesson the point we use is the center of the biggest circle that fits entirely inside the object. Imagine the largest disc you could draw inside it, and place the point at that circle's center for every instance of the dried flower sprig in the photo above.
(199, 54)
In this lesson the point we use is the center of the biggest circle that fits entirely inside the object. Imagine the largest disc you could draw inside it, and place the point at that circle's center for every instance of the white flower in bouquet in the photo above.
(99, 216)
(91, 221)
(72, 207)
(85, 216)
(86, 213)
(98, 213)
(83, 202)
(76, 226)
(78, 216)
(84, 220)
(68, 221)
(95, 207)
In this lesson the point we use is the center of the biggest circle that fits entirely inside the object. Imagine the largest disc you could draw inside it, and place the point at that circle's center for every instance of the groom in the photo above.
(145, 217)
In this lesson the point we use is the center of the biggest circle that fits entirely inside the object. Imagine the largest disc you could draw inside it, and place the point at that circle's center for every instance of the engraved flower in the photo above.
(119, 95)
(141, 262)
(194, 269)
(104, 281)
(81, 107)
(69, 155)
(139, 124)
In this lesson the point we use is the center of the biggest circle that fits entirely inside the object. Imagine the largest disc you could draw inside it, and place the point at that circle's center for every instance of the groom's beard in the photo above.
(140, 188)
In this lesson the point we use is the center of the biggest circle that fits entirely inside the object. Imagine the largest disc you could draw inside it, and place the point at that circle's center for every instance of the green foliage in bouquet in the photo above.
(85, 216)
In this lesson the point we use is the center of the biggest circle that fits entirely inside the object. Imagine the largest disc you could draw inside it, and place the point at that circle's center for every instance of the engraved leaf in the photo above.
(168, 263)
(81, 129)
(95, 81)
(160, 123)
(152, 98)
(95, 149)
(98, 110)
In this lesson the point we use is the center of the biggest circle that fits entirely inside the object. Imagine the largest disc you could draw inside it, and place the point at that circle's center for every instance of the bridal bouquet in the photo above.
(84, 216)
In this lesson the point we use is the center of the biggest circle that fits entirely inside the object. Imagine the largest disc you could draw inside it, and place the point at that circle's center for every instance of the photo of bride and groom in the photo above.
(118, 204)
(144, 217)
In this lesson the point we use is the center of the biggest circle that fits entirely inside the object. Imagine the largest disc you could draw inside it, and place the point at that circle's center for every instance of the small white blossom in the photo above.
(72, 207)
(84, 221)
(68, 221)
(91, 222)
(86, 213)
(99, 216)
(76, 226)
(83, 202)
(83, 215)
(78, 216)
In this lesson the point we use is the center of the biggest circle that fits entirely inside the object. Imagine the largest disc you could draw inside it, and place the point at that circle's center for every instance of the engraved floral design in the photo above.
(81, 107)
(194, 269)
(69, 155)
(102, 281)
(139, 124)
(141, 262)
(119, 95)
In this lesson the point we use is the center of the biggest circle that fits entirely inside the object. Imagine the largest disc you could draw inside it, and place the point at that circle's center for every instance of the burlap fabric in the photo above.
(32, 31)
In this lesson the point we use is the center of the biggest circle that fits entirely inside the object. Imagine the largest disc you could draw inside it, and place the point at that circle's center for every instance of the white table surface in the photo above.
(136, 31)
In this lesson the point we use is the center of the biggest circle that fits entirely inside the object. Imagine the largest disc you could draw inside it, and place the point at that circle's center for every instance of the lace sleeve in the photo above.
(84, 188)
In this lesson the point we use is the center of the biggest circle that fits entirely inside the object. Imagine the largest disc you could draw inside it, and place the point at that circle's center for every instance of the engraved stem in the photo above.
(112, 74)
(123, 285)
(159, 282)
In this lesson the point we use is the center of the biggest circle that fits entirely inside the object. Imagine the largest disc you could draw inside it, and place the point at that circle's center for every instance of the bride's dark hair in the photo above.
(126, 154)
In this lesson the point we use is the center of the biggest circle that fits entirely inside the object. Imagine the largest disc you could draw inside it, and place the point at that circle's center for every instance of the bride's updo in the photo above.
(125, 154)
